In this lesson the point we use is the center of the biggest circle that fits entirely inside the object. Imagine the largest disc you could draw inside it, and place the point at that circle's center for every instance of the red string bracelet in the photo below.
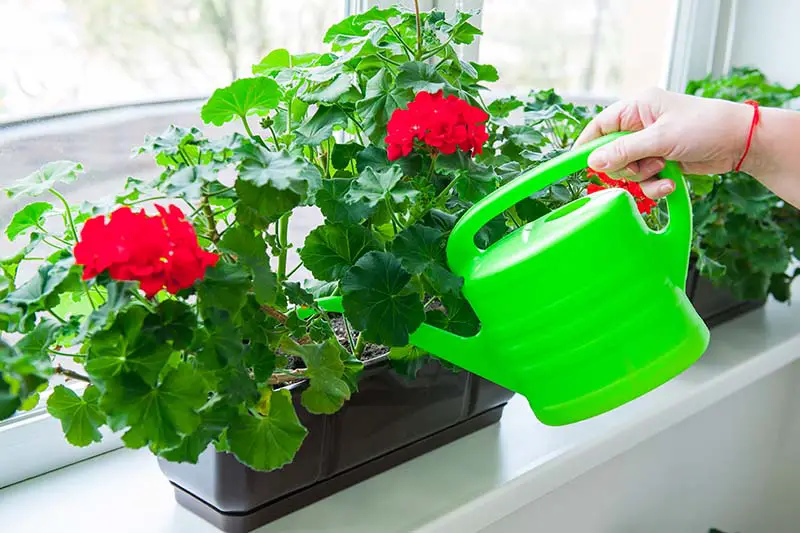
(753, 124)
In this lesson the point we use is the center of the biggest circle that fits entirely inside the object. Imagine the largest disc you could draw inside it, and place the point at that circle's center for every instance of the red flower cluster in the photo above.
(442, 123)
(644, 203)
(159, 251)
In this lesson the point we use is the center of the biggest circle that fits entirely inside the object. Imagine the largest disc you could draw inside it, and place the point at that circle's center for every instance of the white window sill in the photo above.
(465, 486)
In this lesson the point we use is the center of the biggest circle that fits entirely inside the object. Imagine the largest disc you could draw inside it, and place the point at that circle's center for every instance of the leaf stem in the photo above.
(286, 376)
(56, 316)
(221, 191)
(283, 234)
(274, 138)
(250, 133)
(65, 354)
(154, 198)
(419, 30)
(89, 296)
(143, 300)
(349, 333)
(395, 222)
(274, 313)
(71, 374)
(388, 60)
(408, 49)
(209, 214)
(295, 269)
(67, 212)
(56, 237)
(438, 49)
(435, 202)
(361, 343)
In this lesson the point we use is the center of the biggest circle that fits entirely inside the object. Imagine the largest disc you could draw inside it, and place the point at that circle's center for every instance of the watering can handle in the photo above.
(461, 248)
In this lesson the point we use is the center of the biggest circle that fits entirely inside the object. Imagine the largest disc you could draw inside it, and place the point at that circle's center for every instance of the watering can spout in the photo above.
(448, 346)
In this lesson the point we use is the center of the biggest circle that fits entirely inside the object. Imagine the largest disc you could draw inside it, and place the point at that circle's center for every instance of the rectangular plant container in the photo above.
(715, 305)
(391, 419)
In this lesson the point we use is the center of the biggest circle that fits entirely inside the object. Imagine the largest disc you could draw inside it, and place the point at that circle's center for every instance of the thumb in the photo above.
(618, 154)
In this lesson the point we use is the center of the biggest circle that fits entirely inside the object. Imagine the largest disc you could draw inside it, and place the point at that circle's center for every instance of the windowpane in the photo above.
(60, 55)
(580, 47)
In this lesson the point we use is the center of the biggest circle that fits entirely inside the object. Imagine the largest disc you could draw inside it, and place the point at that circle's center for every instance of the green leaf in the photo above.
(26, 218)
(251, 250)
(219, 344)
(485, 72)
(327, 389)
(158, 415)
(39, 340)
(419, 76)
(341, 89)
(320, 126)
(275, 61)
(408, 360)
(502, 107)
(280, 170)
(80, 417)
(125, 347)
(344, 153)
(382, 98)
(10, 265)
(9, 402)
(331, 250)
(174, 322)
(331, 200)
(297, 295)
(268, 442)
(224, 287)
(46, 282)
(118, 296)
(189, 182)
(374, 187)
(379, 300)
(45, 178)
(354, 29)
(215, 414)
(261, 206)
(421, 250)
(243, 97)
(171, 142)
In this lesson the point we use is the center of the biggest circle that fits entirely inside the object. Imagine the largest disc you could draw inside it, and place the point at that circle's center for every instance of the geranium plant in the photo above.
(173, 301)
(745, 236)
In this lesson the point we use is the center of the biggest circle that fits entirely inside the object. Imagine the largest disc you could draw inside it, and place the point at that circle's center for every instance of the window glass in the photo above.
(58, 55)
(579, 47)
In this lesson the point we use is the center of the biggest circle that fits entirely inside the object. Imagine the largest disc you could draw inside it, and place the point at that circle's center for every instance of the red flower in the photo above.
(444, 124)
(158, 251)
(644, 203)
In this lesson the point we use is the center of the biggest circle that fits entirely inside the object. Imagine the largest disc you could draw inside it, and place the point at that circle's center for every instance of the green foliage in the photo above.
(80, 416)
(241, 98)
(745, 236)
(45, 178)
(227, 361)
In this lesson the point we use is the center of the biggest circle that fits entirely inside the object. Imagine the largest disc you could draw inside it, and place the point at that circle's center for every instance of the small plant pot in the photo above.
(716, 305)
(389, 420)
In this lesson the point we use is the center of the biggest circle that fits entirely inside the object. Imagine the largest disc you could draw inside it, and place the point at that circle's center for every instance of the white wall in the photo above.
(767, 37)
(734, 466)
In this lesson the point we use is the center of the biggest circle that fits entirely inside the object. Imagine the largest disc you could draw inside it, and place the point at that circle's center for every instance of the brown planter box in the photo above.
(390, 420)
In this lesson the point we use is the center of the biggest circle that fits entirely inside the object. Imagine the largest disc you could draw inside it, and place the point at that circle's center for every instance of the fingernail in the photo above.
(598, 160)
(666, 188)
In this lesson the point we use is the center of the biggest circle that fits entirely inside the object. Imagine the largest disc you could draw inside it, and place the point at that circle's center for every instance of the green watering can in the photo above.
(581, 310)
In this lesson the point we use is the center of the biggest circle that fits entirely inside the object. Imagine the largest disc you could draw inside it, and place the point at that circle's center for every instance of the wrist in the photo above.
(747, 160)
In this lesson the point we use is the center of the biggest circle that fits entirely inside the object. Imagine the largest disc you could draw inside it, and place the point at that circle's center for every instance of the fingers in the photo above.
(607, 121)
(619, 154)
(657, 188)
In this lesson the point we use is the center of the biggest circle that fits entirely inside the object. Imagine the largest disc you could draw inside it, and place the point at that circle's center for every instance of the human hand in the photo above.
(703, 135)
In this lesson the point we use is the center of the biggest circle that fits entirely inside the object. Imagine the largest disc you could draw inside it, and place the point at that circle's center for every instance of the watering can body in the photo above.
(581, 310)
